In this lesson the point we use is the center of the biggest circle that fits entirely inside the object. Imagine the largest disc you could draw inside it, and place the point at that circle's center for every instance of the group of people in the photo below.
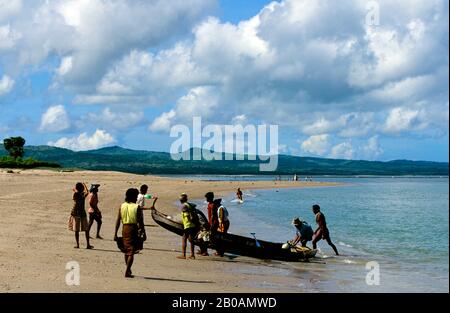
(196, 225)
(130, 215)
(78, 221)
(305, 233)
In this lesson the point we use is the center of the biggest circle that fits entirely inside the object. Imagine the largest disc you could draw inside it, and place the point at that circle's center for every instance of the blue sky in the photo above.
(87, 74)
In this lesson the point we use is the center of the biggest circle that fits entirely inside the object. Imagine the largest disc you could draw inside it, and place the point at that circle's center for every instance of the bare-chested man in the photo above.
(322, 231)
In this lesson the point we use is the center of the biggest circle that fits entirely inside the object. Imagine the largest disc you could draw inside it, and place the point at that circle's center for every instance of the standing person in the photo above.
(133, 231)
(223, 223)
(78, 218)
(212, 211)
(144, 196)
(94, 212)
(322, 231)
(304, 232)
(190, 225)
(239, 194)
(222, 215)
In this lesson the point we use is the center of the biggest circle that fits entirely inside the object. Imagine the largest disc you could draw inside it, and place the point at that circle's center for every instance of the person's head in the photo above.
(79, 187)
(209, 196)
(144, 189)
(239, 189)
(316, 208)
(94, 188)
(296, 221)
(218, 202)
(183, 198)
(131, 195)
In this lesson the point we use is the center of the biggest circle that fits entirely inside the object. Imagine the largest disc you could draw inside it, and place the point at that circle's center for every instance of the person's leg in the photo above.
(91, 221)
(316, 240)
(77, 239)
(191, 241)
(303, 242)
(183, 246)
(88, 246)
(328, 239)
(99, 226)
(129, 264)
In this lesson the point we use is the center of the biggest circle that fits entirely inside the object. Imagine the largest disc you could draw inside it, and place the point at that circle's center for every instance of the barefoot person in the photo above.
(322, 231)
(94, 211)
(78, 218)
(223, 223)
(133, 231)
(212, 211)
(190, 224)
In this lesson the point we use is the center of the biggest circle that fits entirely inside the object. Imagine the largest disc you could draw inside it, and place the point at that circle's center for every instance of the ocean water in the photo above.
(400, 223)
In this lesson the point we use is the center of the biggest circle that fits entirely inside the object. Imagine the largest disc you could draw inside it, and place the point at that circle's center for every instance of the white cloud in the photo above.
(401, 120)
(371, 150)
(163, 122)
(112, 119)
(342, 150)
(317, 144)
(9, 8)
(6, 85)
(83, 142)
(198, 102)
(65, 66)
(55, 119)
(97, 33)
(8, 37)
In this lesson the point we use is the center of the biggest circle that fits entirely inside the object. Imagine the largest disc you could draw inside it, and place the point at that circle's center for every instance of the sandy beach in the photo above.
(35, 244)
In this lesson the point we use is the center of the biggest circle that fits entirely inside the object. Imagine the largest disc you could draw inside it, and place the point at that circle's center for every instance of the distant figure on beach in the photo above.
(190, 225)
(94, 212)
(239, 194)
(304, 232)
(144, 196)
(322, 231)
(133, 230)
(78, 218)
(295, 177)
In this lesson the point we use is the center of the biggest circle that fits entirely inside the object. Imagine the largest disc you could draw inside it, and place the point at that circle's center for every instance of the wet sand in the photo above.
(35, 244)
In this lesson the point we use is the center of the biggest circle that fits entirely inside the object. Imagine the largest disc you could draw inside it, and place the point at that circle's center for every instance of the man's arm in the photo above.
(86, 190)
(150, 208)
(296, 239)
(117, 226)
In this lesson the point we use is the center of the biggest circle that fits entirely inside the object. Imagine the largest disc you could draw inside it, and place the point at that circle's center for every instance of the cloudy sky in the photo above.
(340, 80)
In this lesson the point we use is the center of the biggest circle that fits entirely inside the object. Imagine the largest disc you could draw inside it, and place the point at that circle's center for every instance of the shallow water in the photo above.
(401, 223)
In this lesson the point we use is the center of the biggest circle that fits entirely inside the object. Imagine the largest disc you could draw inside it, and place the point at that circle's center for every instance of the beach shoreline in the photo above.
(35, 245)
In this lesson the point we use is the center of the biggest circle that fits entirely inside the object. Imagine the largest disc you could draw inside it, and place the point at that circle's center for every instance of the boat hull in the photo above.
(240, 245)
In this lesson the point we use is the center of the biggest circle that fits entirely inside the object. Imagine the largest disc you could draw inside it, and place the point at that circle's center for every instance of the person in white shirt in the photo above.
(143, 196)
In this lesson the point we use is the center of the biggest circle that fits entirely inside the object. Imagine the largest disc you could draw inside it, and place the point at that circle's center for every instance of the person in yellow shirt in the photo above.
(190, 224)
(133, 231)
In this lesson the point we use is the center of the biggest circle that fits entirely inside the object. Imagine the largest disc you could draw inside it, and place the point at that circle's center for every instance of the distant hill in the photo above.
(145, 162)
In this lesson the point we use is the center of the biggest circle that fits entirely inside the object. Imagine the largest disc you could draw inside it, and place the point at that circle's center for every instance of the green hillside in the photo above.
(145, 162)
